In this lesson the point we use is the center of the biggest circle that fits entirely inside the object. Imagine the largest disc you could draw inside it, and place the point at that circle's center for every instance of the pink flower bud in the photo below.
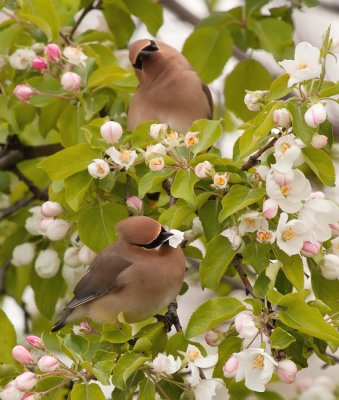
(53, 53)
(25, 381)
(319, 141)
(48, 364)
(43, 224)
(51, 209)
(57, 229)
(82, 329)
(203, 169)
(287, 370)
(282, 118)
(230, 368)
(86, 255)
(71, 81)
(270, 208)
(22, 355)
(136, 204)
(245, 325)
(310, 249)
(315, 115)
(111, 132)
(213, 338)
(35, 341)
(335, 229)
(23, 92)
(39, 63)
(10, 392)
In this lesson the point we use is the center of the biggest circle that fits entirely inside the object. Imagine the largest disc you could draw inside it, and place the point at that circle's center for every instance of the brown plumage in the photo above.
(138, 275)
(170, 90)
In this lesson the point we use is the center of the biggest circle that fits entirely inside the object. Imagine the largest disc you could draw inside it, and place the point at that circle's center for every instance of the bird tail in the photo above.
(62, 321)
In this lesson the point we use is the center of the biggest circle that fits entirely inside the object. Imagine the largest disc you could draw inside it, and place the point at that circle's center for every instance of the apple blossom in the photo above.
(22, 355)
(35, 341)
(191, 139)
(21, 59)
(214, 338)
(252, 99)
(195, 361)
(309, 249)
(10, 392)
(270, 208)
(23, 92)
(261, 172)
(265, 236)
(57, 229)
(291, 235)
(32, 224)
(98, 169)
(39, 63)
(220, 180)
(287, 154)
(26, 381)
(282, 118)
(51, 209)
(305, 65)
(287, 370)
(86, 255)
(75, 56)
(135, 204)
(330, 267)
(156, 164)
(124, 158)
(158, 148)
(43, 224)
(158, 129)
(70, 81)
(53, 53)
(23, 254)
(48, 363)
(230, 368)
(319, 141)
(211, 389)
(245, 326)
(82, 329)
(315, 115)
(232, 234)
(176, 238)
(47, 263)
(251, 222)
(111, 132)
(71, 257)
(203, 169)
(290, 190)
(256, 367)
(172, 139)
(167, 365)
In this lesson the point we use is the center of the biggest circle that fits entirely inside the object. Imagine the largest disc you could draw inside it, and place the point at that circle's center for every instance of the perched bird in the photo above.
(170, 91)
(138, 275)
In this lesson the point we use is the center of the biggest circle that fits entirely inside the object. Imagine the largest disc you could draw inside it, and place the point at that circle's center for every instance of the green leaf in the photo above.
(127, 364)
(280, 339)
(50, 114)
(69, 125)
(300, 127)
(219, 254)
(208, 215)
(279, 87)
(292, 267)
(260, 287)
(183, 186)
(107, 75)
(77, 344)
(306, 319)
(208, 49)
(85, 391)
(112, 333)
(96, 225)
(152, 181)
(67, 162)
(329, 89)
(324, 289)
(7, 339)
(257, 255)
(175, 216)
(321, 164)
(148, 11)
(76, 188)
(212, 313)
(247, 75)
(209, 133)
(238, 198)
(141, 136)
(146, 390)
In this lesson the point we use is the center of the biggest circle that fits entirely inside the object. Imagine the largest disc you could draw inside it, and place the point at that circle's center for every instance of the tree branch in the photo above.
(243, 276)
(38, 193)
(3, 272)
(253, 160)
(6, 212)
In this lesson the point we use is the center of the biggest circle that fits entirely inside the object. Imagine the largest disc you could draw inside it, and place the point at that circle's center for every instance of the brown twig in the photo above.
(243, 276)
(253, 160)
(172, 313)
(38, 193)
(3, 272)
(5, 213)
(94, 4)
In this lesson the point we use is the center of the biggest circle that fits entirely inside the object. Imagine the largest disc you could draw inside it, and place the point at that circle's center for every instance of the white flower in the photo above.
(86, 255)
(252, 99)
(57, 229)
(196, 360)
(23, 254)
(47, 263)
(232, 234)
(245, 326)
(251, 222)
(265, 236)
(291, 235)
(124, 158)
(111, 131)
(335, 246)
(51, 209)
(282, 117)
(71, 257)
(172, 139)
(176, 238)
(75, 56)
(203, 169)
(220, 180)
(256, 367)
(319, 141)
(305, 65)
(158, 148)
(32, 223)
(288, 190)
(156, 164)
(315, 115)
(156, 129)
(191, 138)
(21, 59)
(167, 365)
(98, 168)
(330, 267)
(211, 389)
(287, 154)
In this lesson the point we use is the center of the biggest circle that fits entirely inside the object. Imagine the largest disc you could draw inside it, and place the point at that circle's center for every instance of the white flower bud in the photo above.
(286, 370)
(319, 141)
(23, 254)
(48, 364)
(51, 209)
(25, 381)
(203, 169)
(270, 208)
(330, 267)
(71, 257)
(111, 132)
(156, 129)
(10, 392)
(86, 255)
(245, 325)
(98, 168)
(71, 81)
(47, 263)
(282, 118)
(57, 229)
(315, 115)
(251, 99)
(231, 367)
(21, 59)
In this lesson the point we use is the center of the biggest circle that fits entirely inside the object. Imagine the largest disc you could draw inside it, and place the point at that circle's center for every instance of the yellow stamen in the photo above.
(250, 221)
(302, 66)
(258, 362)
(263, 235)
(125, 155)
(193, 355)
(220, 180)
(288, 234)
(284, 147)
(284, 189)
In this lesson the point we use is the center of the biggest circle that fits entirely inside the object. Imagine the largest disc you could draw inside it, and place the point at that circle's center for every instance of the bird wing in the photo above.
(101, 278)
(208, 94)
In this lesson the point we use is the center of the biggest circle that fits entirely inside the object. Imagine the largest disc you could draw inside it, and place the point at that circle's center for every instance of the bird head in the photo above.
(143, 232)
(141, 51)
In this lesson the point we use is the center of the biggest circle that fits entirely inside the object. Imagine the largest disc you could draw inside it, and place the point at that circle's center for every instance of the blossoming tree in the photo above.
(70, 171)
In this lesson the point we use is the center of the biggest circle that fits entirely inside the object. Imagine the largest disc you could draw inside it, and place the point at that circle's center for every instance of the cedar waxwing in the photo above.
(138, 275)
(170, 91)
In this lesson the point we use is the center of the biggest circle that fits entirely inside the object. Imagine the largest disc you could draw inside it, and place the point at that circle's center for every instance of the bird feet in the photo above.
(170, 318)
